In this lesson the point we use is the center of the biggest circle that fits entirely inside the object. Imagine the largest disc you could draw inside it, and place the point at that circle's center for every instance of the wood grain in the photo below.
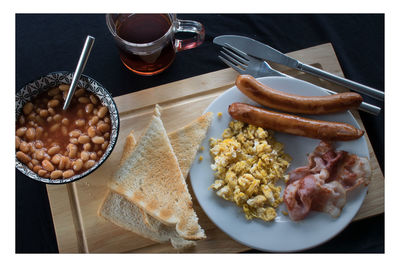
(77, 217)
(74, 209)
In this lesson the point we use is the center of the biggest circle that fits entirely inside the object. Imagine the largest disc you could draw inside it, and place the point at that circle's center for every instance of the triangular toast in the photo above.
(125, 214)
(151, 179)
(185, 142)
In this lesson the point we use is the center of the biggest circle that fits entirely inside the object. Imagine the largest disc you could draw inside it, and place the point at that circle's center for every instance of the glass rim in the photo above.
(111, 28)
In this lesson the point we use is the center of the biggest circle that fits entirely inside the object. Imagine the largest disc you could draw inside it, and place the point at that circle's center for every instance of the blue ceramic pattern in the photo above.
(31, 90)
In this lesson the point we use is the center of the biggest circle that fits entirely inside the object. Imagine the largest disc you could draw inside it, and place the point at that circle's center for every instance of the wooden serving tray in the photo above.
(74, 206)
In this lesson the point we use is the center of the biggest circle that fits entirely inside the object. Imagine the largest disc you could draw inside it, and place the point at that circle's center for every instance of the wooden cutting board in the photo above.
(74, 206)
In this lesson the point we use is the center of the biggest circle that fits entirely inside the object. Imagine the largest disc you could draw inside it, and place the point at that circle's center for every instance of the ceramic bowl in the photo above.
(32, 89)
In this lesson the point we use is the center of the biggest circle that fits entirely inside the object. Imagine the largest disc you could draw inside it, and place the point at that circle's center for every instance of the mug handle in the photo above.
(192, 27)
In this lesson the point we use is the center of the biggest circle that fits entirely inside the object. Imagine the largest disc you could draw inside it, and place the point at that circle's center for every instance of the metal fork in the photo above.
(245, 64)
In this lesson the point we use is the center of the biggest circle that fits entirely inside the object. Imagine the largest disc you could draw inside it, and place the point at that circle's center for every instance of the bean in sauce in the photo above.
(59, 144)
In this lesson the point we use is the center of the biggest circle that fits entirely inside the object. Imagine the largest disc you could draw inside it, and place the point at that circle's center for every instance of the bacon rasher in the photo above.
(323, 183)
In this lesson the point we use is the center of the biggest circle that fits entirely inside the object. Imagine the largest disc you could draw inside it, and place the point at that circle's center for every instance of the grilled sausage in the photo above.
(279, 100)
(286, 123)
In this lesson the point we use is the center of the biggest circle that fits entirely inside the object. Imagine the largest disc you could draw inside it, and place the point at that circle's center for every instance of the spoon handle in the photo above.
(79, 69)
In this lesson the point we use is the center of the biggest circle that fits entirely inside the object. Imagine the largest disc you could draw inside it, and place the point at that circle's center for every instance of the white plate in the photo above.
(281, 235)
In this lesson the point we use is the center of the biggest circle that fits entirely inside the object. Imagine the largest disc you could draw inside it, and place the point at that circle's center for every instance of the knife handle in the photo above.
(363, 89)
(371, 109)
(366, 107)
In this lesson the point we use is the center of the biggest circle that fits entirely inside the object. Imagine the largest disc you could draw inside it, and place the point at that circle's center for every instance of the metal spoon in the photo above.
(87, 47)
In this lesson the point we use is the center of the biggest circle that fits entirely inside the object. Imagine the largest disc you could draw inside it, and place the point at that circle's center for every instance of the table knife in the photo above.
(260, 68)
(262, 51)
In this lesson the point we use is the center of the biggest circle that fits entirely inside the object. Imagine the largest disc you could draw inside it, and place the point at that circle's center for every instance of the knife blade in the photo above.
(262, 51)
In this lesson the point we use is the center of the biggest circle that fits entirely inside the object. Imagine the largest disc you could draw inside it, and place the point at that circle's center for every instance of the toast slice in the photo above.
(185, 142)
(151, 179)
(126, 215)
(129, 146)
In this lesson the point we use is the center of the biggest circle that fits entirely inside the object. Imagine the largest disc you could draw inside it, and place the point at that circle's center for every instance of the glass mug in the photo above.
(147, 43)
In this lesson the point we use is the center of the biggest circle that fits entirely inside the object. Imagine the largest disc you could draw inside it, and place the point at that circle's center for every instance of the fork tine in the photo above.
(237, 51)
(230, 64)
(234, 60)
(235, 56)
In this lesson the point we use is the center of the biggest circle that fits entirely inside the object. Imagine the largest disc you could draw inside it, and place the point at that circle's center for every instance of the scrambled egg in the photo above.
(247, 163)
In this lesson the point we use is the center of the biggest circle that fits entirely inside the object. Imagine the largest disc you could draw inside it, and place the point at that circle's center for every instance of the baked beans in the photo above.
(59, 144)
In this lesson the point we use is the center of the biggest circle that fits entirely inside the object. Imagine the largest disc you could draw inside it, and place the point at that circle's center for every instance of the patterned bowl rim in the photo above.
(86, 79)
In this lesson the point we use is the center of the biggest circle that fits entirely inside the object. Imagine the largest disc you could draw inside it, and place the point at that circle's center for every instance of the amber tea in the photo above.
(142, 29)
(146, 41)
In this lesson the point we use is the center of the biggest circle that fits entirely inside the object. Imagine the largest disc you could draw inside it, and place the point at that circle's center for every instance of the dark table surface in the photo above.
(52, 42)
